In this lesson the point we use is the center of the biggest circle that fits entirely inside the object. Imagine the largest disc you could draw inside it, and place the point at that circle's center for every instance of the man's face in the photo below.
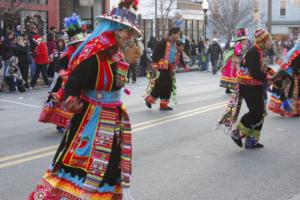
(124, 36)
(60, 44)
(268, 43)
(10, 36)
(175, 36)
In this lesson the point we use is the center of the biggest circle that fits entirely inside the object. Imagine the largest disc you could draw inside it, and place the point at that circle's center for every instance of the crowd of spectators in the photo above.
(26, 55)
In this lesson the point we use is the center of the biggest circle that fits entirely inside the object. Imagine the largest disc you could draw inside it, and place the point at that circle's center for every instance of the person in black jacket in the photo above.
(215, 52)
(21, 52)
(165, 57)
(151, 43)
(193, 52)
(252, 78)
(7, 49)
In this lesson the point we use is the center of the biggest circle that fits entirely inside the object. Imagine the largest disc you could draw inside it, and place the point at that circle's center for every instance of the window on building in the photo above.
(45, 2)
(282, 7)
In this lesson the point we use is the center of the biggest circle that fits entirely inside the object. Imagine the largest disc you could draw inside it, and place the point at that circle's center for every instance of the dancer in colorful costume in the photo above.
(94, 159)
(232, 60)
(53, 112)
(165, 58)
(252, 78)
(285, 99)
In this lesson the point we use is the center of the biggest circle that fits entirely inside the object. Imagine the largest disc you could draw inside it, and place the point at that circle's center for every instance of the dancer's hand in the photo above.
(73, 105)
(54, 97)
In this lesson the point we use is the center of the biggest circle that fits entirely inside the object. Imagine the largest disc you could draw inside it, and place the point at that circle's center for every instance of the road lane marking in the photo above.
(53, 147)
(135, 128)
(23, 160)
(18, 103)
(149, 122)
(176, 118)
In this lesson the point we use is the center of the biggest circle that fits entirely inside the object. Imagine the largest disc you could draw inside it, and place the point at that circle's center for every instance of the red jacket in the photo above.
(41, 54)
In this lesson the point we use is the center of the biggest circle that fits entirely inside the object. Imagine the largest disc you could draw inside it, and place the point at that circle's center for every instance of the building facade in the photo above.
(87, 9)
(187, 15)
(27, 13)
(285, 18)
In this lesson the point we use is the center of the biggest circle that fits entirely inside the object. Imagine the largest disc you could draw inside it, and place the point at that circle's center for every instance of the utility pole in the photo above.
(258, 13)
(270, 16)
(155, 20)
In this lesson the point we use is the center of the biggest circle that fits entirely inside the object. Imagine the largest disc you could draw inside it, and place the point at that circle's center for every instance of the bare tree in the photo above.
(11, 9)
(165, 7)
(226, 14)
(11, 6)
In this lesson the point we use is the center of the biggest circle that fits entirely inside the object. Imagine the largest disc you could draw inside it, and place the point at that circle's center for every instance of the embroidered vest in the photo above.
(244, 76)
(164, 62)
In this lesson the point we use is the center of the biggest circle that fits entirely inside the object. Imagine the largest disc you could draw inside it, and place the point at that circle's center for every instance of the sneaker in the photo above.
(133, 82)
(166, 109)
(30, 88)
(238, 142)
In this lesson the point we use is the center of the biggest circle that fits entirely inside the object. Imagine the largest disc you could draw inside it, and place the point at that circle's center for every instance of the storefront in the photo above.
(38, 13)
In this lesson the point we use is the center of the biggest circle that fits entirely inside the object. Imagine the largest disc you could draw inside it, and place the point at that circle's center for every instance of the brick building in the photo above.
(40, 13)
(47, 13)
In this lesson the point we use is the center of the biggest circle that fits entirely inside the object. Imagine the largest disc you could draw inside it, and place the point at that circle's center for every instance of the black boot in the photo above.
(228, 91)
(166, 109)
(252, 143)
(236, 137)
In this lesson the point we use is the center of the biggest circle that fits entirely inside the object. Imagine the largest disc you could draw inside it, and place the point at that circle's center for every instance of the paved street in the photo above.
(177, 155)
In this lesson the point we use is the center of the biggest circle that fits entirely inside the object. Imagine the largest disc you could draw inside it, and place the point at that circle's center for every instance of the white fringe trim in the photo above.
(126, 194)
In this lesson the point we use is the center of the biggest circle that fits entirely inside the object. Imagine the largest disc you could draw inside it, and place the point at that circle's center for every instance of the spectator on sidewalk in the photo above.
(193, 52)
(33, 31)
(18, 32)
(215, 52)
(51, 45)
(53, 33)
(41, 59)
(7, 49)
(133, 65)
(146, 60)
(1, 62)
(21, 52)
(151, 43)
(55, 59)
(187, 47)
(202, 58)
(13, 76)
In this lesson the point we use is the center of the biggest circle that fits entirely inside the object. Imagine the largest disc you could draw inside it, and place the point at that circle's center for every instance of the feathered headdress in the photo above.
(73, 25)
(241, 33)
